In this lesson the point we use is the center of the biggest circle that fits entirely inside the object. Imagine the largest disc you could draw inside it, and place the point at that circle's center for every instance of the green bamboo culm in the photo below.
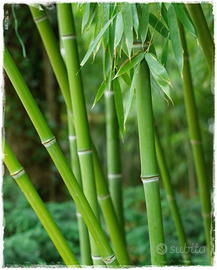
(83, 232)
(114, 157)
(204, 37)
(48, 140)
(165, 175)
(68, 36)
(101, 184)
(196, 143)
(149, 172)
(58, 65)
(19, 175)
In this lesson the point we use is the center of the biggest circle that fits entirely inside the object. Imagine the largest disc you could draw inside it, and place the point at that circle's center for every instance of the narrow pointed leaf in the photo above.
(86, 15)
(157, 68)
(156, 87)
(164, 13)
(119, 105)
(99, 16)
(112, 39)
(128, 25)
(100, 91)
(119, 27)
(175, 37)
(182, 14)
(130, 99)
(158, 25)
(126, 79)
(106, 10)
(143, 22)
(96, 41)
(135, 18)
(164, 53)
(129, 64)
(93, 9)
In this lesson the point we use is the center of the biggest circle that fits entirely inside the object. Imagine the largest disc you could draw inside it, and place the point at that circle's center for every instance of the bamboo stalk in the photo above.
(48, 140)
(19, 175)
(80, 116)
(149, 173)
(171, 198)
(58, 65)
(101, 184)
(114, 157)
(204, 36)
(196, 143)
(83, 232)
(108, 210)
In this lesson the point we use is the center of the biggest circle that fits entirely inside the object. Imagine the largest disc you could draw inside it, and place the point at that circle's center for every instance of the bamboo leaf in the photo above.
(86, 15)
(164, 53)
(128, 25)
(126, 79)
(128, 64)
(106, 10)
(119, 27)
(96, 41)
(99, 16)
(158, 25)
(93, 9)
(112, 39)
(175, 37)
(119, 105)
(100, 91)
(143, 22)
(164, 13)
(130, 99)
(135, 18)
(182, 14)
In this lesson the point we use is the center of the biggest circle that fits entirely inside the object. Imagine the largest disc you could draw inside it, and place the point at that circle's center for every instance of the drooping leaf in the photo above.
(135, 18)
(100, 92)
(119, 105)
(126, 78)
(128, 25)
(159, 73)
(85, 16)
(111, 43)
(175, 37)
(107, 63)
(96, 41)
(93, 9)
(164, 53)
(98, 25)
(182, 14)
(128, 64)
(118, 29)
(156, 87)
(158, 5)
(164, 13)
(143, 22)
(158, 25)
(130, 99)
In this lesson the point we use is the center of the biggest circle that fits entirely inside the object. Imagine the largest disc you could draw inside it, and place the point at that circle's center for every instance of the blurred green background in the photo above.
(25, 241)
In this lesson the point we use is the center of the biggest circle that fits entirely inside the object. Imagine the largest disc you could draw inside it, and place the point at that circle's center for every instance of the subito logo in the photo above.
(161, 249)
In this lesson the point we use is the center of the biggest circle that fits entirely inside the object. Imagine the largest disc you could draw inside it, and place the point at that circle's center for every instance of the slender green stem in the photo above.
(48, 140)
(19, 175)
(171, 198)
(101, 184)
(149, 173)
(68, 36)
(114, 157)
(196, 142)
(204, 36)
(108, 210)
(83, 232)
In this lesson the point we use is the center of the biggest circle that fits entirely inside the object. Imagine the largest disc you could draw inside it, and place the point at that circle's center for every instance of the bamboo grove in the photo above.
(125, 35)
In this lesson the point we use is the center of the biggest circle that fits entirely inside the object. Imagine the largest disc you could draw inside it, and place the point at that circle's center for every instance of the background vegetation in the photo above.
(25, 240)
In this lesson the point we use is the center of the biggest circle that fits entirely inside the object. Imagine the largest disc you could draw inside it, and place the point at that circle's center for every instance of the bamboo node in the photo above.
(109, 93)
(64, 37)
(85, 152)
(72, 137)
(96, 257)
(18, 173)
(49, 142)
(110, 259)
(148, 179)
(103, 197)
(195, 142)
(110, 175)
(38, 20)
